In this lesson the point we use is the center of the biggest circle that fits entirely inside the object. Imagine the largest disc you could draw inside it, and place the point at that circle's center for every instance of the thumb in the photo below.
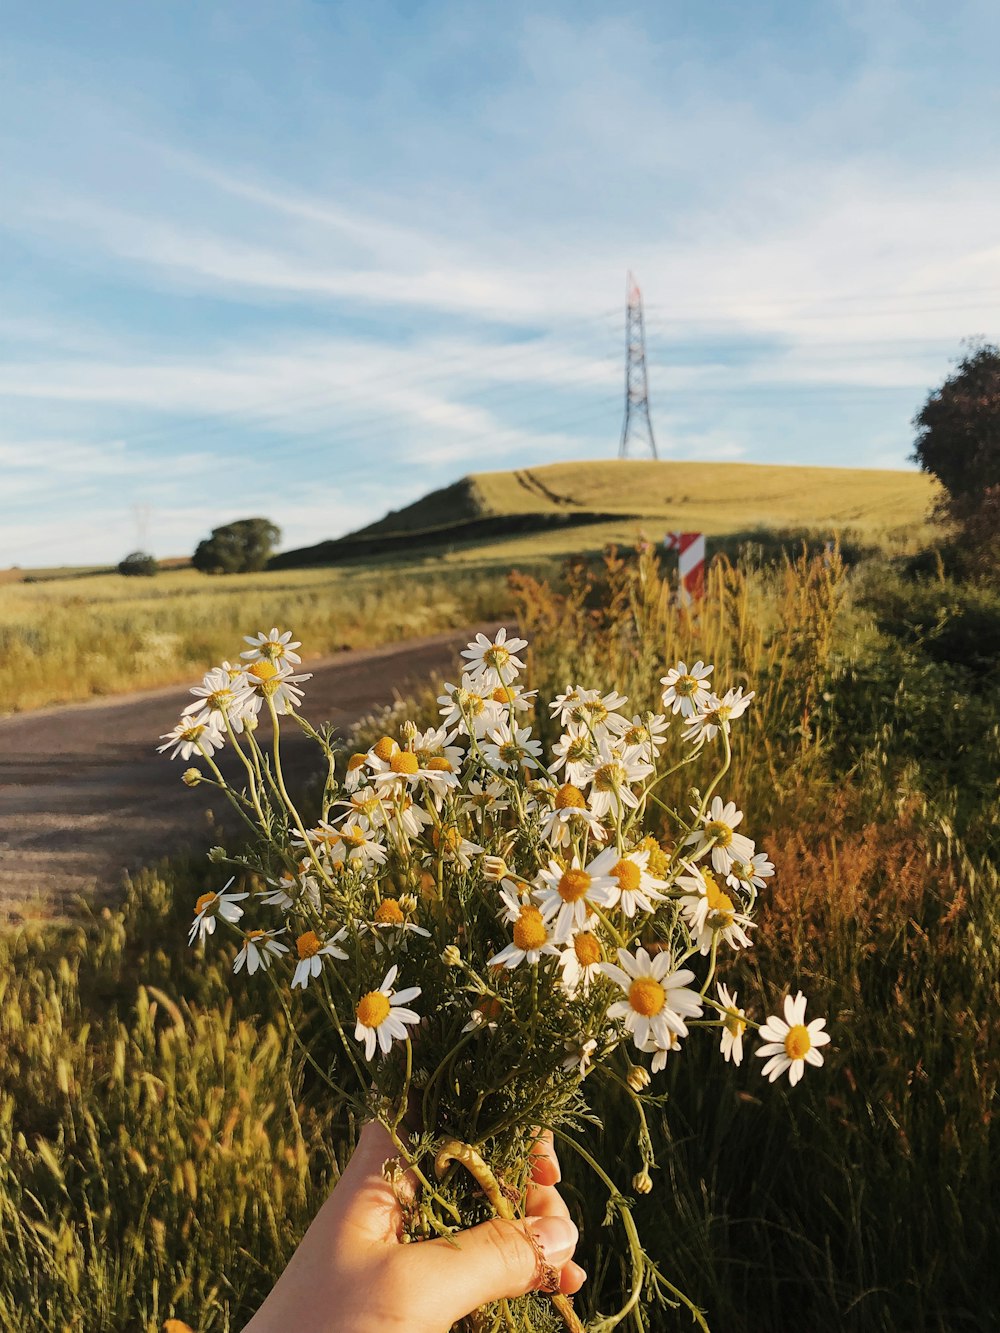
(491, 1261)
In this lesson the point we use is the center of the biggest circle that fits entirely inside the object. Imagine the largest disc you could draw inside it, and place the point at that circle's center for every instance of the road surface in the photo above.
(84, 797)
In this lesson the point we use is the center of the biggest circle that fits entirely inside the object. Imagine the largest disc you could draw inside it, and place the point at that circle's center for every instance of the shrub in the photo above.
(138, 563)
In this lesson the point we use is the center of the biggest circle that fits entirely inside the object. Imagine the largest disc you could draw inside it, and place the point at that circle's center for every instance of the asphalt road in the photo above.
(85, 798)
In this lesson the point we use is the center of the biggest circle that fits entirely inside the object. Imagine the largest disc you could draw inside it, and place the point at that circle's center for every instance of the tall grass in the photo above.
(160, 1153)
(64, 641)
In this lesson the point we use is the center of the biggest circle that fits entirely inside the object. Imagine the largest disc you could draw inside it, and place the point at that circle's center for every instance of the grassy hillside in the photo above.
(610, 498)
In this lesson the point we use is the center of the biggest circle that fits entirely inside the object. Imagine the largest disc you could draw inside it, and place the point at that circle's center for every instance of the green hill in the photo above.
(566, 506)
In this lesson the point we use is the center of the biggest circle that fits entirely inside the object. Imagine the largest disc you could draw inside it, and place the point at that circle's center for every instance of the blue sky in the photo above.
(310, 260)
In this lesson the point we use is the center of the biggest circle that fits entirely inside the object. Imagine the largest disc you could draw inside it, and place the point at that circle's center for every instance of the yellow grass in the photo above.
(705, 497)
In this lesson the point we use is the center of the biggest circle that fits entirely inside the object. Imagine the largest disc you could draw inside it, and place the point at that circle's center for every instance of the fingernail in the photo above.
(557, 1237)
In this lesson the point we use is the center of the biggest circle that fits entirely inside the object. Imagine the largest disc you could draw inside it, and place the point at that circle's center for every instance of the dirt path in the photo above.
(84, 796)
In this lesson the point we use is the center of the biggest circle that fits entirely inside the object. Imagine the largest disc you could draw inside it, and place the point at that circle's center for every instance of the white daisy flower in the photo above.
(480, 801)
(790, 1043)
(570, 816)
(648, 733)
(710, 912)
(735, 1024)
(716, 714)
(494, 663)
(565, 704)
(390, 917)
(210, 906)
(576, 752)
(291, 889)
(260, 948)
(193, 737)
(403, 769)
(718, 835)
(513, 697)
(612, 778)
(511, 746)
(579, 1056)
(435, 744)
(222, 694)
(598, 715)
(449, 843)
(513, 897)
(750, 874)
(359, 845)
(469, 709)
(380, 1021)
(273, 647)
(356, 772)
(657, 998)
(279, 684)
(685, 691)
(634, 889)
(531, 940)
(660, 1053)
(566, 896)
(311, 951)
(580, 962)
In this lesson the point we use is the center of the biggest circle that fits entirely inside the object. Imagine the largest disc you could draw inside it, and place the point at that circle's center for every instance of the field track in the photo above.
(85, 797)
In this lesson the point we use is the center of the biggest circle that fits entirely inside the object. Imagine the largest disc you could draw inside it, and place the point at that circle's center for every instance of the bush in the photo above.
(243, 547)
(138, 563)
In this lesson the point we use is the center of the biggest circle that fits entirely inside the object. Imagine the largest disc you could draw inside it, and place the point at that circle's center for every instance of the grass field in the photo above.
(700, 497)
(71, 635)
(161, 1148)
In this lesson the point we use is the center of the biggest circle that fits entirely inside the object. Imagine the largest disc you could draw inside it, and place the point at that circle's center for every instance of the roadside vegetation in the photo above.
(161, 1152)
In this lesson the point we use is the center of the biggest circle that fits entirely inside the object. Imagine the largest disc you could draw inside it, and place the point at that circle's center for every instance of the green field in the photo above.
(74, 635)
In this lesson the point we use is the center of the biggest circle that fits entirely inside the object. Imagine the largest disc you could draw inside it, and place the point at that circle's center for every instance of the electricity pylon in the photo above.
(637, 423)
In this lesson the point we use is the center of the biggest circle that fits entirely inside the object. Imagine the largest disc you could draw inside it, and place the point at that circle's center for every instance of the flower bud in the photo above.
(407, 902)
(217, 854)
(191, 777)
(452, 956)
(409, 731)
(250, 722)
(642, 1182)
(494, 867)
(637, 1078)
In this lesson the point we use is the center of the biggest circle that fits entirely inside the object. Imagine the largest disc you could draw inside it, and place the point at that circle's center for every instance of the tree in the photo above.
(958, 441)
(138, 563)
(237, 548)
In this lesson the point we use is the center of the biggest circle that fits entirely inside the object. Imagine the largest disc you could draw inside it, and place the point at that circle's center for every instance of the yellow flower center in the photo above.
(569, 797)
(388, 913)
(659, 859)
(449, 839)
(502, 695)
(636, 736)
(438, 764)
(797, 1042)
(719, 833)
(404, 761)
(578, 749)
(470, 702)
(720, 905)
(308, 944)
(385, 748)
(587, 948)
(598, 712)
(509, 752)
(647, 996)
(628, 875)
(256, 934)
(262, 672)
(205, 901)
(192, 732)
(609, 777)
(496, 657)
(685, 685)
(355, 762)
(372, 1009)
(354, 837)
(734, 1023)
(220, 700)
(574, 885)
(529, 929)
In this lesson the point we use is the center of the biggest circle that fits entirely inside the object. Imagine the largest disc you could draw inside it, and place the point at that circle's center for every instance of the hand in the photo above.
(352, 1274)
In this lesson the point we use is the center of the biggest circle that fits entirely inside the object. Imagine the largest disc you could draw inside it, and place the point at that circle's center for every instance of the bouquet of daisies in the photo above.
(479, 930)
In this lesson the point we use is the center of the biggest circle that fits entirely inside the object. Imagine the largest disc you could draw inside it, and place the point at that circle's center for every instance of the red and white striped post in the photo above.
(690, 548)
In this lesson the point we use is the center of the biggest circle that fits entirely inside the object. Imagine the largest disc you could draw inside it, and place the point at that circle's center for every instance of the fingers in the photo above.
(572, 1278)
(545, 1168)
(491, 1261)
